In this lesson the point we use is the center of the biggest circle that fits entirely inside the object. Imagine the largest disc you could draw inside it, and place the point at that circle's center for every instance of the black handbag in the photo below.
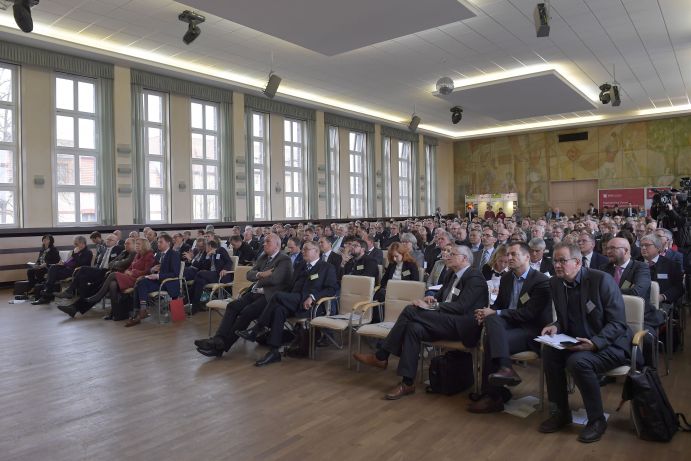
(451, 373)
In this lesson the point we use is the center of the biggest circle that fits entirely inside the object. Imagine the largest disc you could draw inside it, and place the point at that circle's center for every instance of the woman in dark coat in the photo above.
(47, 256)
(402, 266)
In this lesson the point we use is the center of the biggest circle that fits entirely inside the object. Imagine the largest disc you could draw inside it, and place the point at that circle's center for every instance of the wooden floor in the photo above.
(87, 389)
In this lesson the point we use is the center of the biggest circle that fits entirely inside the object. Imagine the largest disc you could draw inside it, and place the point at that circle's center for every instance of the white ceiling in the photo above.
(649, 42)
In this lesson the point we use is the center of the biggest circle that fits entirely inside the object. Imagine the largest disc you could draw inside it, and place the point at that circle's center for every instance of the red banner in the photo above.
(611, 198)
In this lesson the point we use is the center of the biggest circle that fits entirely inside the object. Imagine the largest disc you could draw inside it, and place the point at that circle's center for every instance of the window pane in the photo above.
(155, 141)
(64, 130)
(197, 145)
(258, 125)
(6, 125)
(66, 207)
(155, 174)
(197, 116)
(198, 206)
(287, 151)
(87, 170)
(155, 207)
(258, 152)
(65, 170)
(64, 94)
(289, 207)
(6, 167)
(211, 118)
(289, 186)
(155, 108)
(5, 84)
(297, 132)
(86, 98)
(258, 180)
(297, 181)
(210, 147)
(197, 176)
(87, 133)
(211, 207)
(87, 207)
(211, 177)
(6, 207)
(258, 207)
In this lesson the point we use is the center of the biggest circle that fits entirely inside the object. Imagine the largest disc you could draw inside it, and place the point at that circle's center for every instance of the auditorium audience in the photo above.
(80, 256)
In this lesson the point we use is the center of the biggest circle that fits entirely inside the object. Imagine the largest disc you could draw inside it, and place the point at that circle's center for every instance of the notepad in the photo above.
(556, 340)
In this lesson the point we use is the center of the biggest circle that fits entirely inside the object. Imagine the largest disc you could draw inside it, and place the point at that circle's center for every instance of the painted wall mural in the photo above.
(637, 154)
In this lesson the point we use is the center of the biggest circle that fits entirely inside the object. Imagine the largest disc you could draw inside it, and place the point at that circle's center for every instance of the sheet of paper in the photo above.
(522, 407)
(435, 287)
(555, 340)
(387, 325)
(580, 417)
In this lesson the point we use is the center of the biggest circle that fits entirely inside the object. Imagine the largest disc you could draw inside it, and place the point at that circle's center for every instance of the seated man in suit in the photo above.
(81, 256)
(242, 250)
(589, 257)
(355, 262)
(481, 257)
(448, 316)
(632, 277)
(271, 273)
(372, 251)
(293, 251)
(662, 270)
(331, 257)
(666, 237)
(538, 260)
(523, 307)
(312, 280)
(169, 267)
(195, 260)
(590, 308)
(180, 244)
(220, 271)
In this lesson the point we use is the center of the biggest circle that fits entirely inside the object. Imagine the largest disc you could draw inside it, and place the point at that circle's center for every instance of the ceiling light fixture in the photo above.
(22, 14)
(456, 114)
(445, 86)
(193, 20)
(541, 15)
(610, 94)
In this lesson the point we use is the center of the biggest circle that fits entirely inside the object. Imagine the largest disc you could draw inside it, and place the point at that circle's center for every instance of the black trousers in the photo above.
(203, 278)
(56, 273)
(282, 306)
(35, 275)
(584, 368)
(415, 325)
(86, 282)
(238, 315)
(502, 338)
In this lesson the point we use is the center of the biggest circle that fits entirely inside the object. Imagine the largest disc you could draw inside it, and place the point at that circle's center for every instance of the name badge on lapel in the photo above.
(589, 306)
(662, 276)
(456, 291)
(218, 256)
(525, 298)
(405, 273)
(360, 267)
(314, 276)
(626, 285)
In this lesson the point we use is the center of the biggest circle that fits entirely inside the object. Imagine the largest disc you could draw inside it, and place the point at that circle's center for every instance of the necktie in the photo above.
(585, 261)
(106, 257)
(325, 257)
(617, 274)
(485, 258)
(651, 264)
(449, 294)
(308, 267)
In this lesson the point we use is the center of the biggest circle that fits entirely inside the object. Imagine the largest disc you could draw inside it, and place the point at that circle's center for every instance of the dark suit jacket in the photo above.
(335, 260)
(537, 308)
(676, 257)
(364, 266)
(546, 265)
(432, 255)
(377, 255)
(635, 280)
(666, 273)
(298, 260)
(388, 241)
(280, 278)
(122, 261)
(409, 271)
(117, 249)
(472, 293)
(221, 260)
(79, 259)
(605, 324)
(50, 255)
(245, 254)
(319, 282)
(170, 268)
(598, 260)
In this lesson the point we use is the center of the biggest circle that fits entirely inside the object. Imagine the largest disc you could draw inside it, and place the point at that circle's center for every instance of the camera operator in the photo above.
(672, 212)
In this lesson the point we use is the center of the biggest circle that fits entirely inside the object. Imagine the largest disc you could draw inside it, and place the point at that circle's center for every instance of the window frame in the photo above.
(77, 152)
(164, 158)
(333, 158)
(298, 198)
(264, 167)
(205, 163)
(430, 185)
(13, 146)
(407, 180)
(353, 156)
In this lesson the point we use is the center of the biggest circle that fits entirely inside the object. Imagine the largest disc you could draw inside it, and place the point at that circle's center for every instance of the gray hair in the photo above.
(410, 238)
(467, 252)
(537, 244)
(80, 239)
(654, 239)
(667, 232)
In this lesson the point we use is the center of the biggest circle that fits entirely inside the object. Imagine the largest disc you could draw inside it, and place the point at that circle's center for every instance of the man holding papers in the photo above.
(448, 316)
(590, 308)
(523, 307)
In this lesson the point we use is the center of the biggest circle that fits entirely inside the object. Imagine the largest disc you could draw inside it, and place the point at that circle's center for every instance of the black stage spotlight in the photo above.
(193, 20)
(22, 14)
(272, 85)
(616, 100)
(414, 122)
(605, 96)
(456, 114)
(542, 20)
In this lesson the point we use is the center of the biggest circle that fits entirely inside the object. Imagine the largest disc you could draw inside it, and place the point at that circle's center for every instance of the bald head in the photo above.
(618, 251)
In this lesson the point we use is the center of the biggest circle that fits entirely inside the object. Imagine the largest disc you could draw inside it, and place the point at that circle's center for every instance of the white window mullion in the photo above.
(294, 168)
(9, 192)
(356, 153)
(154, 125)
(206, 163)
(259, 165)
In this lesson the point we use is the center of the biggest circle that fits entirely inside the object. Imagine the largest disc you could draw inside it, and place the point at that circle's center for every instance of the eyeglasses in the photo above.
(646, 245)
(563, 261)
(616, 248)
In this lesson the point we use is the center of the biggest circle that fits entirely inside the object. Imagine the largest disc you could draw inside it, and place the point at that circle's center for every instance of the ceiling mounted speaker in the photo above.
(414, 122)
(22, 14)
(542, 20)
(272, 85)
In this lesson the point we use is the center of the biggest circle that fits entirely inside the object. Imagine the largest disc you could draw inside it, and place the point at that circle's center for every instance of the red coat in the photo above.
(141, 265)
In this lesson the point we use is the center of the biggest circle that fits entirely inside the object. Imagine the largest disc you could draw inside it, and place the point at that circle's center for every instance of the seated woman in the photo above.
(492, 271)
(120, 281)
(402, 266)
(47, 256)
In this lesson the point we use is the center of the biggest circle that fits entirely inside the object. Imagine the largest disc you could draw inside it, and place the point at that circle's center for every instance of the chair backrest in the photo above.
(240, 281)
(400, 293)
(236, 261)
(635, 308)
(421, 274)
(354, 289)
(381, 271)
(655, 294)
(386, 257)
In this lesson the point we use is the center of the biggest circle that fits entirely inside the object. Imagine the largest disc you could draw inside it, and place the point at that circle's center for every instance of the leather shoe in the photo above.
(39, 301)
(209, 352)
(205, 343)
(371, 360)
(249, 335)
(605, 380)
(593, 431)
(555, 423)
(133, 322)
(69, 310)
(506, 376)
(487, 404)
(108, 317)
(269, 358)
(400, 391)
